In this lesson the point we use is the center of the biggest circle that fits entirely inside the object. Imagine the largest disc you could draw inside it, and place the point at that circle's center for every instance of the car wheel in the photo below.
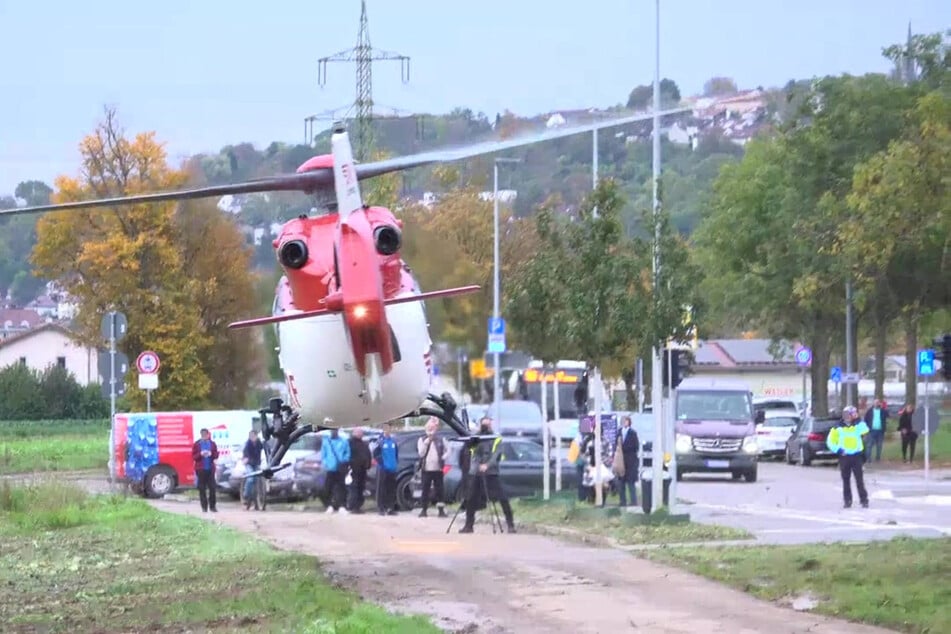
(750, 475)
(680, 475)
(404, 493)
(789, 458)
(159, 480)
(736, 475)
(804, 459)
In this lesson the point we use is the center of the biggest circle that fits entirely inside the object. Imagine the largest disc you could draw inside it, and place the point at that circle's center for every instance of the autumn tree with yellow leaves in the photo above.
(179, 272)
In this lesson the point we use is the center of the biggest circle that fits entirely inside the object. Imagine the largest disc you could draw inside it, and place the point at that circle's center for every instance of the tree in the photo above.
(641, 97)
(130, 258)
(769, 241)
(33, 193)
(719, 86)
(902, 210)
(925, 58)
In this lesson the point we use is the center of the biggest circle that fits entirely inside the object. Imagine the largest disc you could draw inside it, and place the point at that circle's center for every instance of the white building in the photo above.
(51, 344)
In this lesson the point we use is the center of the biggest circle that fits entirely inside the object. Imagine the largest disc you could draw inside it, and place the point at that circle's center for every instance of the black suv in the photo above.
(408, 457)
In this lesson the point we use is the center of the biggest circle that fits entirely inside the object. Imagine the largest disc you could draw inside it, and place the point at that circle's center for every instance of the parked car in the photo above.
(287, 483)
(522, 470)
(775, 404)
(516, 418)
(406, 493)
(808, 441)
(775, 430)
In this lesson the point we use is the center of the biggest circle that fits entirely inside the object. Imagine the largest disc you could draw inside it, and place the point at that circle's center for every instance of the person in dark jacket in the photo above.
(387, 454)
(628, 442)
(251, 456)
(485, 484)
(909, 437)
(360, 461)
(204, 454)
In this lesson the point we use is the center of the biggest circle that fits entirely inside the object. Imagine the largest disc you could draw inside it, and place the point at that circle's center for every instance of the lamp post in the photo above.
(657, 393)
(496, 361)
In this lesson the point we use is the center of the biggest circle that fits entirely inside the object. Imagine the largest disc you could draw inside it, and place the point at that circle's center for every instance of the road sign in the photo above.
(148, 381)
(851, 377)
(148, 363)
(104, 363)
(496, 344)
(105, 326)
(836, 374)
(925, 362)
(107, 389)
(804, 356)
(496, 326)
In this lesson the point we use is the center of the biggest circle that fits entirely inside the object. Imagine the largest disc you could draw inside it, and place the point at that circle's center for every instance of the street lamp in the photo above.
(496, 362)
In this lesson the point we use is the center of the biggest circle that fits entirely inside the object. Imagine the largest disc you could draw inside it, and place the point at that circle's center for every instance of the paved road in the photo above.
(792, 504)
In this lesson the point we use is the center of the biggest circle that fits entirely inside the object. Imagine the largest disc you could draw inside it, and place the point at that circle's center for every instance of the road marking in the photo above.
(784, 514)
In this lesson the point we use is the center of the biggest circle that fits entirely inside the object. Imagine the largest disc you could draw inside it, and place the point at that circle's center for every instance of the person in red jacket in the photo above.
(204, 453)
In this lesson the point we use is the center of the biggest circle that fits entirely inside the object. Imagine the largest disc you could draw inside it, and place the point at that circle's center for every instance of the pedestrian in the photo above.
(433, 454)
(847, 441)
(577, 458)
(909, 437)
(360, 462)
(387, 454)
(334, 455)
(485, 484)
(251, 456)
(876, 418)
(628, 443)
(204, 455)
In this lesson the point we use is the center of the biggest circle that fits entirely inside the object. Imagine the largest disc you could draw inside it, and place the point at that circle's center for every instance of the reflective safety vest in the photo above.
(848, 438)
(495, 444)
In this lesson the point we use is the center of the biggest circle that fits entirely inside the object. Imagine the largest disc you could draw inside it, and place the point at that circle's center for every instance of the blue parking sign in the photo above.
(836, 374)
(925, 362)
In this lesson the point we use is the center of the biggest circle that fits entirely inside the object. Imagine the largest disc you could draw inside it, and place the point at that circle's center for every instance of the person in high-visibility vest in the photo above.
(484, 482)
(847, 440)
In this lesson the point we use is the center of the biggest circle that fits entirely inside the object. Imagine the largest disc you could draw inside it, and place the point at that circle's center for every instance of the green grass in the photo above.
(940, 446)
(32, 446)
(74, 563)
(900, 584)
(623, 527)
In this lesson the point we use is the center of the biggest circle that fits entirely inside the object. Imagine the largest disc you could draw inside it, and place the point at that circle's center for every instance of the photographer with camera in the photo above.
(485, 485)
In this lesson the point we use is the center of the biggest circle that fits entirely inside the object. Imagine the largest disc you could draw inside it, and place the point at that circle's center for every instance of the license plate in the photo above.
(718, 464)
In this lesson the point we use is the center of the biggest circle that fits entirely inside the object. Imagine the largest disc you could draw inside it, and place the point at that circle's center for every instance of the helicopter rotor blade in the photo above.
(322, 179)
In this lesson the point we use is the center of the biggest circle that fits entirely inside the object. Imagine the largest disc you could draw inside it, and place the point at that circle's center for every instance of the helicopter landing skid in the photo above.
(446, 412)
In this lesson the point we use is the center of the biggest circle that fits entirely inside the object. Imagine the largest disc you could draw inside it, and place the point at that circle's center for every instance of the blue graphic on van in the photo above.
(141, 445)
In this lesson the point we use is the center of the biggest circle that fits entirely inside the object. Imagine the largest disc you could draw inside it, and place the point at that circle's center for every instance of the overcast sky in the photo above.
(205, 74)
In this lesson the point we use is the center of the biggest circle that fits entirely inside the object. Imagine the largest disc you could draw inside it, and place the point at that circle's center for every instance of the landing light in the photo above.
(360, 312)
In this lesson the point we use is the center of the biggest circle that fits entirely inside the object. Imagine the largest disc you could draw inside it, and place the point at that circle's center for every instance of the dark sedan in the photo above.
(808, 441)
(406, 493)
(522, 470)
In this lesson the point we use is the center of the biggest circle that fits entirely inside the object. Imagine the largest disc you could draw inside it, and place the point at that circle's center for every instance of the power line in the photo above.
(364, 55)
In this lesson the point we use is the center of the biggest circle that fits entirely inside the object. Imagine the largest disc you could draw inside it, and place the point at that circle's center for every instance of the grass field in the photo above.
(562, 513)
(73, 563)
(900, 584)
(53, 446)
(940, 445)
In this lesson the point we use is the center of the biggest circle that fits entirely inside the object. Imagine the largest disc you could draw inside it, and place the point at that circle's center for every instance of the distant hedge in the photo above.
(46, 428)
(53, 394)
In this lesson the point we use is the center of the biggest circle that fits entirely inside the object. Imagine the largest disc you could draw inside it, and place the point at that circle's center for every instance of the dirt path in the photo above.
(485, 583)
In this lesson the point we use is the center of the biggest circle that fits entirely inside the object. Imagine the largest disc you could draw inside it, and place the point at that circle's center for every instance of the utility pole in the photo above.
(497, 291)
(364, 55)
(657, 395)
(848, 340)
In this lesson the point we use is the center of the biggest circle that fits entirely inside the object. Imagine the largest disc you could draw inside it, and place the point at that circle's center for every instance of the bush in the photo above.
(26, 394)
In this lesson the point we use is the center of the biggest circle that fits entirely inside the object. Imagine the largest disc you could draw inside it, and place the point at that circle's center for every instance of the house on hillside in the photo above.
(51, 344)
(14, 321)
(751, 361)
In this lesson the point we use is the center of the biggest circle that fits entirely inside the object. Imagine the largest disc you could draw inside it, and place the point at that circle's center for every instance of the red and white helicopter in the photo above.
(353, 339)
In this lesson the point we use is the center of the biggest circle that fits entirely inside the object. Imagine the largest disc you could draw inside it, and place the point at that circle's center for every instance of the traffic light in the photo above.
(943, 353)
(677, 363)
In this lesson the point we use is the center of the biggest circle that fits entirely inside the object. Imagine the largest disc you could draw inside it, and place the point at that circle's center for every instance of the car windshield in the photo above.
(713, 405)
(782, 421)
(774, 405)
(309, 442)
(521, 413)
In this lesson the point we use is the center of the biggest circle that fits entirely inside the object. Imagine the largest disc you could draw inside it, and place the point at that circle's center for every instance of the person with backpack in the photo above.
(433, 454)
(334, 455)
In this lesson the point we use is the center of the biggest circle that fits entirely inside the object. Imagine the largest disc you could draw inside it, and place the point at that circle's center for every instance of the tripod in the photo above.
(490, 503)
